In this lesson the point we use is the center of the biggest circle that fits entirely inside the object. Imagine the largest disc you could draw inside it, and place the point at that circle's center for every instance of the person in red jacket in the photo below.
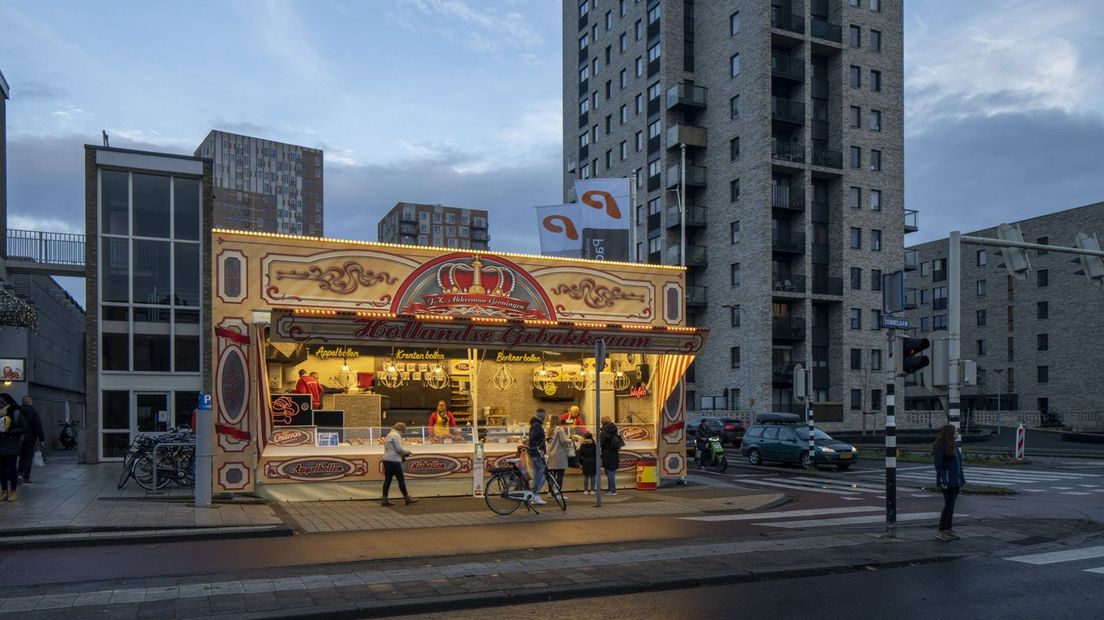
(309, 385)
(441, 421)
(574, 421)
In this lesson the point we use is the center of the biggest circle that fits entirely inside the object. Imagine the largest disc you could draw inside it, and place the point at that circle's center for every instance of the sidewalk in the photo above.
(383, 588)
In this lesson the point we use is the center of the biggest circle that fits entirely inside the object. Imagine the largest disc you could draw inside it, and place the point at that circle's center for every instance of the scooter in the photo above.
(712, 454)
(68, 435)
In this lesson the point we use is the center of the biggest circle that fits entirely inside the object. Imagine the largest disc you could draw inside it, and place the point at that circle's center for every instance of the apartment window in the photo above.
(654, 52)
(609, 124)
(856, 76)
(624, 150)
(876, 6)
(981, 346)
(609, 159)
(639, 66)
(639, 141)
(609, 54)
(856, 157)
(653, 91)
(735, 272)
(856, 400)
(855, 36)
(875, 160)
(734, 316)
(653, 14)
(875, 241)
(856, 238)
(609, 90)
(653, 129)
(609, 20)
(734, 23)
(1043, 373)
(734, 190)
(1043, 342)
(734, 148)
(1011, 374)
(1042, 310)
(856, 278)
(925, 296)
(1043, 277)
(624, 114)
(939, 321)
(583, 40)
(622, 8)
(734, 357)
(856, 116)
(1011, 350)
(925, 325)
(980, 318)
(875, 359)
(876, 280)
(875, 200)
(654, 245)
(1042, 241)
(875, 41)
(623, 78)
(875, 400)
(734, 65)
(875, 80)
(584, 106)
(639, 103)
(981, 288)
(856, 359)
(925, 269)
(1011, 318)
(875, 319)
(653, 168)
(584, 7)
(734, 106)
(853, 2)
(856, 318)
(981, 258)
(584, 171)
(875, 120)
(638, 29)
(855, 197)
(584, 72)
(734, 230)
(623, 42)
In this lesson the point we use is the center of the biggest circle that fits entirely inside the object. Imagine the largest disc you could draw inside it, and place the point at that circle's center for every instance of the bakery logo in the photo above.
(291, 437)
(499, 461)
(434, 466)
(628, 459)
(636, 433)
(315, 469)
(471, 285)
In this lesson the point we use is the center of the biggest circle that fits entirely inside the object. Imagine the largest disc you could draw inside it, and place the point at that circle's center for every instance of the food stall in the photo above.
(389, 332)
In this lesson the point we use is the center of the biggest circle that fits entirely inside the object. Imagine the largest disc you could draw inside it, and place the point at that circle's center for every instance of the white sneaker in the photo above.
(611, 493)
(538, 501)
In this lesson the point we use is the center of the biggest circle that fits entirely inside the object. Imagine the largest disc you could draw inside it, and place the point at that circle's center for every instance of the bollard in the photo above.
(204, 450)
(1021, 434)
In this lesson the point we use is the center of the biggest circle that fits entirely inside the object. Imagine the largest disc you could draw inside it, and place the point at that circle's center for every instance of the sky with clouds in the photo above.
(458, 102)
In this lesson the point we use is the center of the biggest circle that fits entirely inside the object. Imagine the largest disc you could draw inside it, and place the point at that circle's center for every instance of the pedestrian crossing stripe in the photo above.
(783, 514)
(842, 484)
(1054, 557)
(796, 487)
(858, 520)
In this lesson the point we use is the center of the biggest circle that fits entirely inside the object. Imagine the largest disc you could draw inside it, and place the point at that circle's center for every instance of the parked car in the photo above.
(730, 430)
(788, 443)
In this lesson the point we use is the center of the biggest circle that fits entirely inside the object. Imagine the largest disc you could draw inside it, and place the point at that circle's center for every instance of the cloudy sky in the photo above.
(458, 102)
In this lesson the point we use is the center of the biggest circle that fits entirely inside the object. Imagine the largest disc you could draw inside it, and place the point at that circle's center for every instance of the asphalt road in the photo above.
(982, 588)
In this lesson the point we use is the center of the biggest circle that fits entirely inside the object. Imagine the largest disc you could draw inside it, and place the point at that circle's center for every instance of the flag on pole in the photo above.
(558, 226)
(604, 212)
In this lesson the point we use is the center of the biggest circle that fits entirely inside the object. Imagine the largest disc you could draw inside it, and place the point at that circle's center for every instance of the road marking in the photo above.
(785, 514)
(864, 519)
(1089, 486)
(795, 487)
(1054, 557)
(842, 484)
(1074, 493)
(1099, 571)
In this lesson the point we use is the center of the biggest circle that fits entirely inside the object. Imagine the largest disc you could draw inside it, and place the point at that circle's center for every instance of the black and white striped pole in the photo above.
(801, 393)
(891, 439)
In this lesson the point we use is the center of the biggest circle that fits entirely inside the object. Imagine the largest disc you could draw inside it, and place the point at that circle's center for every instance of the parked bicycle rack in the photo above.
(167, 444)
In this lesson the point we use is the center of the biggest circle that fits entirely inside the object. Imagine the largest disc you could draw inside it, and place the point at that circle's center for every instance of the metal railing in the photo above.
(827, 158)
(788, 241)
(697, 295)
(788, 284)
(695, 255)
(822, 29)
(912, 260)
(788, 328)
(788, 110)
(912, 220)
(48, 248)
(787, 21)
(788, 151)
(686, 94)
(790, 67)
(828, 286)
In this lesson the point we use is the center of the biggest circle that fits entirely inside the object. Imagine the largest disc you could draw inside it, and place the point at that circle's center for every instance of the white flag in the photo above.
(604, 212)
(559, 230)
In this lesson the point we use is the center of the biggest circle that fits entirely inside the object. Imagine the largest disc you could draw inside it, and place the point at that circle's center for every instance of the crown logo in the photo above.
(470, 288)
(475, 279)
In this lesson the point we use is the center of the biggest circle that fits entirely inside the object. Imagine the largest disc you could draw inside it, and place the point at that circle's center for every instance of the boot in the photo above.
(4, 496)
(410, 500)
(386, 502)
(13, 495)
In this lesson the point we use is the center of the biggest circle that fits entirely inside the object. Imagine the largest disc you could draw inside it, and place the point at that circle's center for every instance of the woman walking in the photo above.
(393, 456)
(611, 453)
(588, 460)
(948, 477)
(12, 428)
(558, 441)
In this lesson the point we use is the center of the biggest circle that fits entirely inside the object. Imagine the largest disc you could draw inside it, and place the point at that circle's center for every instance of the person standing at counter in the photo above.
(611, 453)
(558, 441)
(573, 419)
(309, 385)
(393, 456)
(536, 454)
(442, 421)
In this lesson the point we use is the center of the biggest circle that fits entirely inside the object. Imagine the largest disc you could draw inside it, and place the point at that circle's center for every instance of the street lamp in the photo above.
(745, 358)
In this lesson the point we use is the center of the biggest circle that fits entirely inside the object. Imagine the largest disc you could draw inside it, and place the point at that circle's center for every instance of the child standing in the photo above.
(588, 460)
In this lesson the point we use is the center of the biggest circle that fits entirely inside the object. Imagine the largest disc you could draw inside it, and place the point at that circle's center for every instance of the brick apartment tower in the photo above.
(791, 117)
(434, 225)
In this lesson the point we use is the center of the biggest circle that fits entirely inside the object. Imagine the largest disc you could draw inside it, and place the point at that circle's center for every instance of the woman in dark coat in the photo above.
(948, 477)
(611, 453)
(12, 428)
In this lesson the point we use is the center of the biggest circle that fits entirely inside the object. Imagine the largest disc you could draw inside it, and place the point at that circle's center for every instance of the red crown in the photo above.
(474, 278)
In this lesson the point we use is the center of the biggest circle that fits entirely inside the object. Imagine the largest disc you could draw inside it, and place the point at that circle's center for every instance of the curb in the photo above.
(123, 536)
(478, 600)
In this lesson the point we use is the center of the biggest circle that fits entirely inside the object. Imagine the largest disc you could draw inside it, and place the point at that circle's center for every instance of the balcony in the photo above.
(785, 200)
(912, 260)
(697, 296)
(788, 241)
(479, 236)
(788, 67)
(686, 95)
(828, 286)
(696, 255)
(788, 151)
(788, 110)
(783, 371)
(45, 253)
(939, 303)
(828, 158)
(689, 135)
(408, 229)
(823, 29)
(653, 221)
(789, 22)
(788, 283)
(912, 221)
(695, 176)
(820, 88)
(788, 328)
(696, 217)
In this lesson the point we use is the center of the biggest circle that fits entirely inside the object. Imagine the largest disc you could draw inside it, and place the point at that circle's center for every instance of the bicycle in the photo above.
(507, 490)
(174, 463)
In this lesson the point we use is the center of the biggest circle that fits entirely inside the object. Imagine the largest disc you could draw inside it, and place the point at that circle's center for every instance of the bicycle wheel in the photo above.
(143, 473)
(184, 462)
(555, 491)
(128, 470)
(497, 494)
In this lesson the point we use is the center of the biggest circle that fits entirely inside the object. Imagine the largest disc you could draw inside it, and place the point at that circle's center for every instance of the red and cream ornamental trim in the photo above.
(359, 328)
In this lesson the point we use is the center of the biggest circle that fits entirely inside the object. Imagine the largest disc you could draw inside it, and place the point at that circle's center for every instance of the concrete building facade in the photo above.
(265, 186)
(435, 225)
(1033, 339)
(790, 118)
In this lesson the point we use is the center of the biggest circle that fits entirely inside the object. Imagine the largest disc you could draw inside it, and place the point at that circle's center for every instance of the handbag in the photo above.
(572, 454)
(39, 458)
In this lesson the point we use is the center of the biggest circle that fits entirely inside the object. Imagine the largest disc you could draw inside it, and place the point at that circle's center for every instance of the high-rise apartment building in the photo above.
(265, 186)
(1032, 339)
(789, 117)
(435, 225)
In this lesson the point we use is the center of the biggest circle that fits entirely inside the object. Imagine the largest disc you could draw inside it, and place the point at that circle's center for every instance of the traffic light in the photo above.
(1092, 267)
(913, 358)
(1015, 259)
